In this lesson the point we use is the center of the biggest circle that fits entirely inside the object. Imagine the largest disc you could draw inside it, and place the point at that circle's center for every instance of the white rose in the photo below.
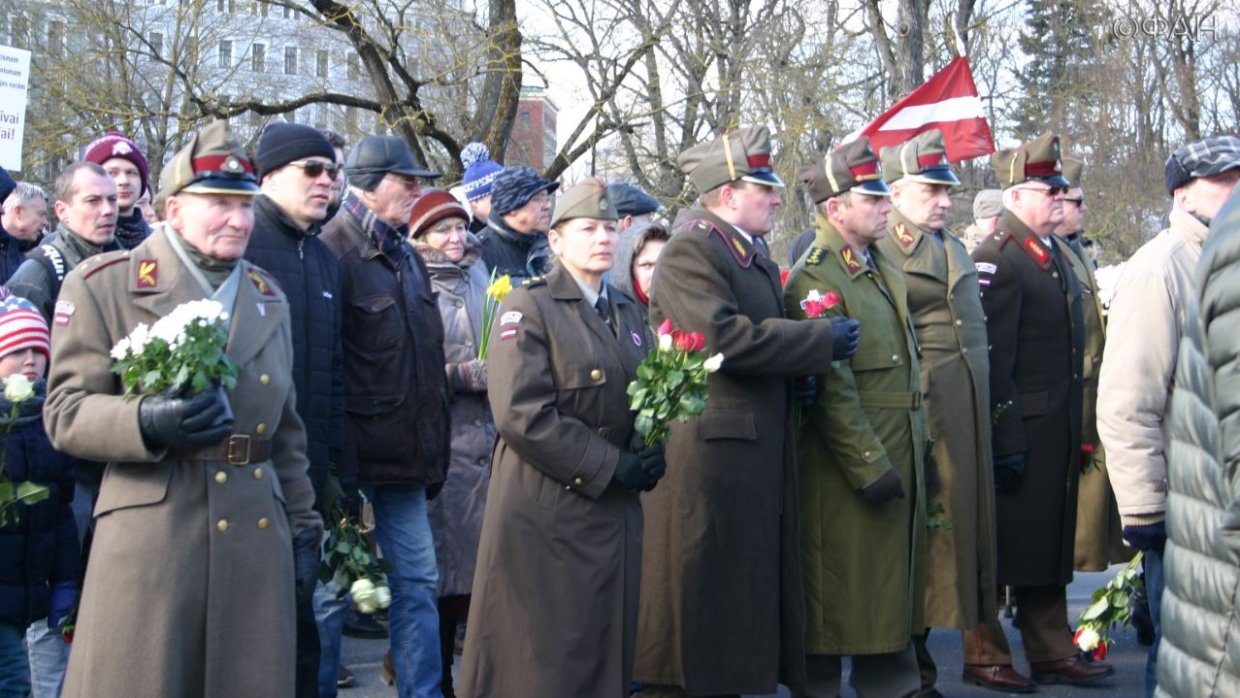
(713, 364)
(18, 388)
(363, 591)
(366, 608)
(383, 597)
(121, 350)
(1087, 639)
(665, 342)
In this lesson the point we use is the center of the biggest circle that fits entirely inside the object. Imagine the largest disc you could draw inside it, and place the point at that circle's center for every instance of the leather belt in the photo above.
(238, 450)
(882, 398)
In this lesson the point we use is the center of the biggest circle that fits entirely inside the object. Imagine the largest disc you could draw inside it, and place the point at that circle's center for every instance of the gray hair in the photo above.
(24, 193)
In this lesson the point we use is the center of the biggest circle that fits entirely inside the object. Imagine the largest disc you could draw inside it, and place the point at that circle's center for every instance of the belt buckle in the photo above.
(238, 452)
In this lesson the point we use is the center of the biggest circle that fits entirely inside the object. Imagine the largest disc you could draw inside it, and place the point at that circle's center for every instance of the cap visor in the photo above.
(873, 187)
(236, 187)
(412, 172)
(1055, 180)
(768, 178)
(936, 175)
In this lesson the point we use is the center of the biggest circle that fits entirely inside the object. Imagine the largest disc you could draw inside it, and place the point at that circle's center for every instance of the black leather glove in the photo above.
(1147, 537)
(884, 488)
(806, 390)
(845, 334)
(1009, 471)
(630, 473)
(653, 462)
(306, 563)
(183, 424)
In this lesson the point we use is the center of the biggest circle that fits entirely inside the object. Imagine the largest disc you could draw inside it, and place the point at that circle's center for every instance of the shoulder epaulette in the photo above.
(91, 265)
(534, 281)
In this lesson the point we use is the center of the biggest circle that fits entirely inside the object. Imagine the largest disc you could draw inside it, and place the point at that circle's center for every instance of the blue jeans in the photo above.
(49, 658)
(329, 612)
(1153, 563)
(14, 672)
(404, 535)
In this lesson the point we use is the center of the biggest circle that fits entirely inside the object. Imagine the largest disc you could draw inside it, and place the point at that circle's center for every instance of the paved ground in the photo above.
(364, 657)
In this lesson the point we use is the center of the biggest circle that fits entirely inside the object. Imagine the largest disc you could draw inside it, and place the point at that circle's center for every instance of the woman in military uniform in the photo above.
(554, 610)
(203, 521)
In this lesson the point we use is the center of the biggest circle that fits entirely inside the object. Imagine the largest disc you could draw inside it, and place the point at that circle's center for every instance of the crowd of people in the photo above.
(908, 427)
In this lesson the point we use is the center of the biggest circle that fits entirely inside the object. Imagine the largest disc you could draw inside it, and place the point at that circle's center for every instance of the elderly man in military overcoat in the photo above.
(204, 522)
(721, 609)
(945, 303)
(860, 444)
(1033, 308)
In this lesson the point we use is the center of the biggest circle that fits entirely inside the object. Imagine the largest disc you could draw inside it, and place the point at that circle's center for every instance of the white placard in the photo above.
(14, 81)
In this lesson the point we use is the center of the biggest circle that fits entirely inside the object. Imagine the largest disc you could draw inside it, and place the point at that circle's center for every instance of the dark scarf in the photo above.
(389, 240)
(131, 230)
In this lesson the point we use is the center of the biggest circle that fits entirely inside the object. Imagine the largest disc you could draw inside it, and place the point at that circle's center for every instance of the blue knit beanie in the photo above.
(515, 186)
(479, 171)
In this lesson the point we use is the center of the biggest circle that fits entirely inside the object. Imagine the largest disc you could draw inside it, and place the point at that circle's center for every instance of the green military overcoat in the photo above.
(945, 304)
(864, 564)
(1099, 533)
(189, 591)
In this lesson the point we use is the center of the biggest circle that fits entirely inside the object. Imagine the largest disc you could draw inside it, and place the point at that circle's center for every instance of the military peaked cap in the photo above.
(1037, 160)
(211, 163)
(742, 154)
(588, 199)
(850, 167)
(922, 158)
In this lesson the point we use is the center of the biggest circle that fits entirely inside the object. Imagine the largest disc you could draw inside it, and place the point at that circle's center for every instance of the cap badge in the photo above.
(121, 148)
(602, 204)
(231, 164)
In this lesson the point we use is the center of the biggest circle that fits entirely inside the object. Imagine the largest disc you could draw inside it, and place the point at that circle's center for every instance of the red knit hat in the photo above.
(434, 206)
(22, 327)
(115, 144)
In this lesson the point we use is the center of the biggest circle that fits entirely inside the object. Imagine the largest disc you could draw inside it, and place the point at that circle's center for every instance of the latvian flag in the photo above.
(949, 102)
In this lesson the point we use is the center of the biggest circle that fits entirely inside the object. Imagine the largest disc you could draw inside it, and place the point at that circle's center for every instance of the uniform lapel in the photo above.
(959, 264)
(564, 288)
(158, 282)
(259, 310)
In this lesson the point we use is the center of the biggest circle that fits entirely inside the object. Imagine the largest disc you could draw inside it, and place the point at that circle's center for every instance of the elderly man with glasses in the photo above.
(1035, 327)
(396, 400)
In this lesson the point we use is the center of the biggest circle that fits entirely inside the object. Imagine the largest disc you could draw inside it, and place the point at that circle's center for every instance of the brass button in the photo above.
(1054, 275)
(264, 379)
(221, 477)
(959, 323)
(263, 523)
(895, 357)
(866, 454)
(596, 375)
(578, 481)
(222, 525)
(258, 473)
(260, 429)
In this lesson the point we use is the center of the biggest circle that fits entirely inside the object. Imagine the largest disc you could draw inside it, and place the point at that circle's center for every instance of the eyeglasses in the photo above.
(314, 168)
(1078, 200)
(409, 183)
(1049, 191)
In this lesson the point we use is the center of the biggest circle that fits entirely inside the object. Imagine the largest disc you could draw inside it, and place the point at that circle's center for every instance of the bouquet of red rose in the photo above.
(671, 382)
(1111, 606)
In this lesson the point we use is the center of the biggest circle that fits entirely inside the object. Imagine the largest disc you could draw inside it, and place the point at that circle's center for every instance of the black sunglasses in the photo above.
(314, 168)
(1078, 201)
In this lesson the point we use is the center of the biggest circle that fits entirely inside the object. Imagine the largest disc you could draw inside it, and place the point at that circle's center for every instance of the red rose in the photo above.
(682, 340)
(699, 341)
(814, 309)
(1100, 653)
(783, 277)
(831, 300)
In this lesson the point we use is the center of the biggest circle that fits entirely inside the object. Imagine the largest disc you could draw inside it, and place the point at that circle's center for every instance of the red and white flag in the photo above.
(949, 102)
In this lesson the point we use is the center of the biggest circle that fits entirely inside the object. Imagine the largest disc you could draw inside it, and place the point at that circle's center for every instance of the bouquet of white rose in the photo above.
(348, 565)
(183, 349)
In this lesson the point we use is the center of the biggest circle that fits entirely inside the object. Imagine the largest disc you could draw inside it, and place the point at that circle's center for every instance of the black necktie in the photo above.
(604, 311)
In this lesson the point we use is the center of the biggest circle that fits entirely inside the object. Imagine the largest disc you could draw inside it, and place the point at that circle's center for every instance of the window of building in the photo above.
(320, 116)
(320, 64)
(289, 13)
(290, 60)
(355, 66)
(55, 37)
(258, 58)
(156, 40)
(225, 57)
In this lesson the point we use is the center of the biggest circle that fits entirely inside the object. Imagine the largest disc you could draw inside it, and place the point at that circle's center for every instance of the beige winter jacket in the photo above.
(1144, 327)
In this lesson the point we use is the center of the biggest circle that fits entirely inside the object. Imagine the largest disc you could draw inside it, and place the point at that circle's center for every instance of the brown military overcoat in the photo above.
(189, 591)
(945, 303)
(1099, 534)
(1035, 330)
(722, 605)
(554, 609)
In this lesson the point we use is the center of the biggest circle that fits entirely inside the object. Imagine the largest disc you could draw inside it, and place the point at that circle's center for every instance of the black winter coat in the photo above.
(309, 275)
(43, 549)
(12, 254)
(520, 256)
(396, 395)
